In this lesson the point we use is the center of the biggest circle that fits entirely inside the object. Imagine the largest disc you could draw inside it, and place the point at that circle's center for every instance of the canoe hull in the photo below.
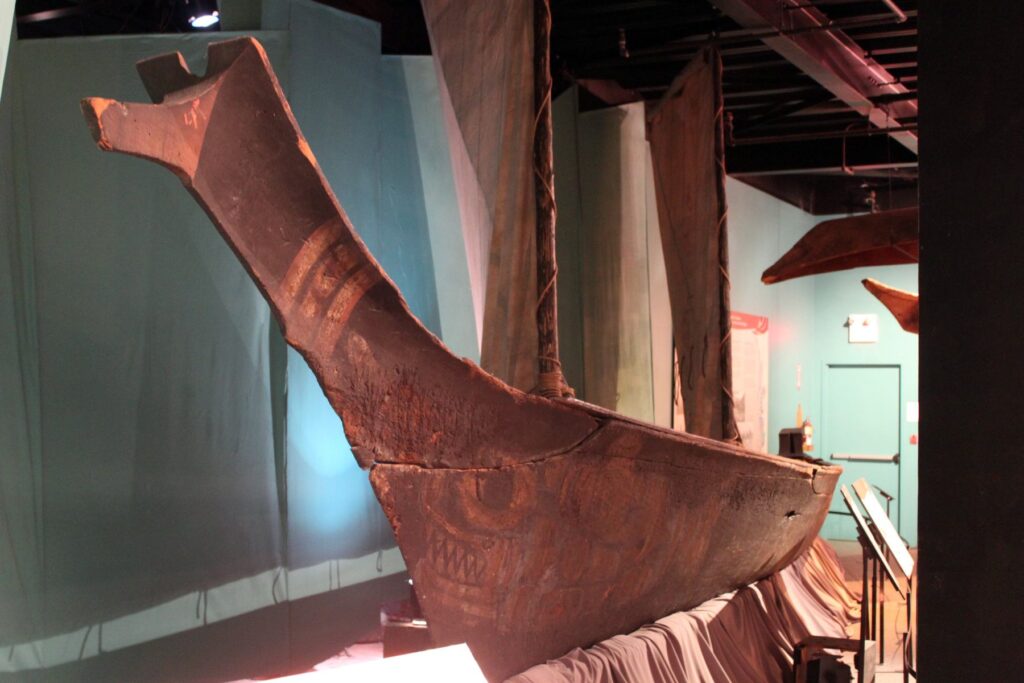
(887, 238)
(530, 526)
(527, 562)
(904, 306)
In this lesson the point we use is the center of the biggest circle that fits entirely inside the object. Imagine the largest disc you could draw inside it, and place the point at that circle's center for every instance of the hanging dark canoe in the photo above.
(903, 305)
(530, 526)
(886, 238)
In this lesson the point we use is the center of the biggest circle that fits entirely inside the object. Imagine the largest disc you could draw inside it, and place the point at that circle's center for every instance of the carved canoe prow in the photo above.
(886, 238)
(530, 526)
(903, 305)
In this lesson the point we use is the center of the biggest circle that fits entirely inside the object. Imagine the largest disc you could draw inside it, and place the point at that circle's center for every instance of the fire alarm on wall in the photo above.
(862, 328)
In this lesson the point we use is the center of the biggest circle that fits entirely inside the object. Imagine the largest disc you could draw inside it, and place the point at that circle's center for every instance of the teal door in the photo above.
(860, 431)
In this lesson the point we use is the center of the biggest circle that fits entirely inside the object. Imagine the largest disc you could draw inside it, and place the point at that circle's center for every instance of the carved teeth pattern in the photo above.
(455, 560)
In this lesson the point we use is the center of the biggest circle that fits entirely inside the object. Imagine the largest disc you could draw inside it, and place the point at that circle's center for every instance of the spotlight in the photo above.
(204, 20)
(202, 13)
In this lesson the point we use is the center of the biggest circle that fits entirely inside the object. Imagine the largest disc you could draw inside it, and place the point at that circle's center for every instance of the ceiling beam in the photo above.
(51, 14)
(830, 57)
(817, 156)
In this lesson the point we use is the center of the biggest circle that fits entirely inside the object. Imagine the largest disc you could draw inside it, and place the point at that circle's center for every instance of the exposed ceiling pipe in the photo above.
(695, 43)
(830, 170)
(901, 16)
(51, 14)
(824, 135)
(832, 58)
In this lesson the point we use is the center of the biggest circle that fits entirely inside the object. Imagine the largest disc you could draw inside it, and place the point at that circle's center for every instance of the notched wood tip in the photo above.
(164, 74)
(92, 109)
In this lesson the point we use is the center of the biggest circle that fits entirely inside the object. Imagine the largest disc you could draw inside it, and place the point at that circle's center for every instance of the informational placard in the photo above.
(865, 531)
(863, 328)
(750, 378)
(890, 536)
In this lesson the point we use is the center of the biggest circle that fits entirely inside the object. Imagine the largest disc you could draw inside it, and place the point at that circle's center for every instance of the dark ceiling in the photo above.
(789, 133)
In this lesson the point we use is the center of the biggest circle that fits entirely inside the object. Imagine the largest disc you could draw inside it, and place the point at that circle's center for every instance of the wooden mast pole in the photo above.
(550, 380)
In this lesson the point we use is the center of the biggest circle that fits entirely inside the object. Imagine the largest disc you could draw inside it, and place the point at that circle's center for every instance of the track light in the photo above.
(202, 13)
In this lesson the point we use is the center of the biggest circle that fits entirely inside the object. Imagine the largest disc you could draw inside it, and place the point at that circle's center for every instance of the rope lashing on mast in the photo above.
(550, 378)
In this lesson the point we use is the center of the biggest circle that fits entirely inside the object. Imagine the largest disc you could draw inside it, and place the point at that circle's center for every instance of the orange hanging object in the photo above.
(808, 436)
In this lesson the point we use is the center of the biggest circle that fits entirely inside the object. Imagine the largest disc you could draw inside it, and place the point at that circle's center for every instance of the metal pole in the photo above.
(901, 16)
(908, 641)
(864, 606)
(874, 599)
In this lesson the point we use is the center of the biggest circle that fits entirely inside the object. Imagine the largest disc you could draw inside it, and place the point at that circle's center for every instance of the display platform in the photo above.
(749, 634)
(452, 664)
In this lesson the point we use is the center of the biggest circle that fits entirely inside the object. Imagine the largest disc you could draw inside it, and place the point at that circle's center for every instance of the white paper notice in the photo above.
(750, 378)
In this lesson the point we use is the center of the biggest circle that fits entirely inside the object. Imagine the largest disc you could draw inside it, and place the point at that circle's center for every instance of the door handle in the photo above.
(867, 457)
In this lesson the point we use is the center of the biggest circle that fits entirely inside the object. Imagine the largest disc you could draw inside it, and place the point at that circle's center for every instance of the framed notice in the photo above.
(750, 378)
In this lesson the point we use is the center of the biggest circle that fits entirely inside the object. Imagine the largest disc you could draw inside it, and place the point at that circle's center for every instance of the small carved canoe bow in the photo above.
(885, 238)
(530, 526)
(902, 304)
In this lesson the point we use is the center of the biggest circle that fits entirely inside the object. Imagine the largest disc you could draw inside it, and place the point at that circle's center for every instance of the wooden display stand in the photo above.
(866, 646)
(890, 540)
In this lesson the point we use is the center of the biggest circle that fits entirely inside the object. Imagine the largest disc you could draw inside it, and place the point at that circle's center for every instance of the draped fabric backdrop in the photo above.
(614, 317)
(484, 55)
(686, 136)
(139, 461)
(6, 24)
(177, 498)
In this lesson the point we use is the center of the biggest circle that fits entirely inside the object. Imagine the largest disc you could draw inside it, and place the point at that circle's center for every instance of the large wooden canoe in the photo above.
(885, 238)
(530, 526)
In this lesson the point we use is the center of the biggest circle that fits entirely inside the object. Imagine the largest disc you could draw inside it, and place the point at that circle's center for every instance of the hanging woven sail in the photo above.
(686, 136)
(484, 55)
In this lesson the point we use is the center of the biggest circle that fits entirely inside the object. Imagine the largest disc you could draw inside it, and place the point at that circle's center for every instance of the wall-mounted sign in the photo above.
(863, 328)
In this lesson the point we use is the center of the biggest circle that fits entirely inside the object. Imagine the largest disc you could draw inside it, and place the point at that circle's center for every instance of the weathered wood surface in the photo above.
(484, 57)
(550, 380)
(886, 238)
(530, 526)
(686, 132)
(902, 304)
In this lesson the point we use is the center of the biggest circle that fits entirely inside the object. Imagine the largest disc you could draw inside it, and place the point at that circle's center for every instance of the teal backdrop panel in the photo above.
(178, 497)
(332, 510)
(137, 366)
(416, 94)
(761, 228)
(378, 138)
(20, 462)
